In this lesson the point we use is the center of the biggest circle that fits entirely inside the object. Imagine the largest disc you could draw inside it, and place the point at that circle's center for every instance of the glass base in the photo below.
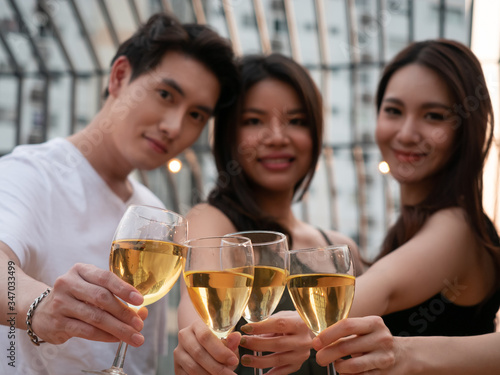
(113, 370)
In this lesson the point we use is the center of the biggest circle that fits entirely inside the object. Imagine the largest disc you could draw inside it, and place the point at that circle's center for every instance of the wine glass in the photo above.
(146, 252)
(270, 251)
(321, 284)
(218, 272)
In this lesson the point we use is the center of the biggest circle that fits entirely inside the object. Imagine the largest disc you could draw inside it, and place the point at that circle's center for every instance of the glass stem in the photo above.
(258, 371)
(331, 369)
(120, 355)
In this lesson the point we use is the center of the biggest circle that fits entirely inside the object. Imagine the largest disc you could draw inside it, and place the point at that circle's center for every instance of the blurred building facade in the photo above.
(54, 57)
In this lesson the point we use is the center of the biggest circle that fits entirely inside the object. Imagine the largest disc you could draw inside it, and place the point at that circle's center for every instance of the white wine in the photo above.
(151, 266)
(219, 297)
(268, 286)
(321, 299)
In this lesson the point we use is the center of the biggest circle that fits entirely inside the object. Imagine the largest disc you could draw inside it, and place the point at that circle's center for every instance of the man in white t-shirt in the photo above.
(60, 203)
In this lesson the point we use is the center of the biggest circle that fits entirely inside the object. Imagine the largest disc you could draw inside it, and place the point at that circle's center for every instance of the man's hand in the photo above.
(84, 303)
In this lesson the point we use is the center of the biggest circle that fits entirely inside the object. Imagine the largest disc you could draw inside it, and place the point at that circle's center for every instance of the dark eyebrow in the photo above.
(172, 83)
(261, 112)
(436, 104)
(254, 110)
(209, 111)
(425, 105)
(296, 111)
(393, 100)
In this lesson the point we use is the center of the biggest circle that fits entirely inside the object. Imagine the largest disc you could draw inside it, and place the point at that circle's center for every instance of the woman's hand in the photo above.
(200, 352)
(367, 340)
(83, 303)
(286, 335)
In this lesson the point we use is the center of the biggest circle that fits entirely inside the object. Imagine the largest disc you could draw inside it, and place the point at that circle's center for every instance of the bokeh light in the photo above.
(383, 167)
(174, 165)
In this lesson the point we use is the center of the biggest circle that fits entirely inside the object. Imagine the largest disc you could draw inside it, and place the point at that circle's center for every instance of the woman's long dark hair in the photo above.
(233, 193)
(460, 182)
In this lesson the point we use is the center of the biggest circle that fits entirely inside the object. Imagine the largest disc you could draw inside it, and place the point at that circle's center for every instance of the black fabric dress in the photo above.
(439, 316)
(309, 367)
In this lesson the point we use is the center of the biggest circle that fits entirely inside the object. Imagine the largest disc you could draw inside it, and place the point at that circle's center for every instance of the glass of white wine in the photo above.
(270, 253)
(219, 272)
(321, 284)
(146, 252)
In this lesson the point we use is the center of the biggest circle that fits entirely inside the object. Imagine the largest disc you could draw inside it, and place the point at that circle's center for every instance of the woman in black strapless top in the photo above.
(266, 149)
(439, 269)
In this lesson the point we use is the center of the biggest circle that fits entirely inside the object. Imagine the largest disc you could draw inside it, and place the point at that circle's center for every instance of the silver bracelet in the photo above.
(29, 317)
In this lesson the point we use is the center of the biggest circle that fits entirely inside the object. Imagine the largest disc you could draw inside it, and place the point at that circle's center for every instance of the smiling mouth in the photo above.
(276, 164)
(408, 157)
(276, 160)
(157, 146)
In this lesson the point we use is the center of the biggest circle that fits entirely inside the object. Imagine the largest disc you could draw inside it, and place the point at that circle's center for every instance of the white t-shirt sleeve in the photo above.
(22, 205)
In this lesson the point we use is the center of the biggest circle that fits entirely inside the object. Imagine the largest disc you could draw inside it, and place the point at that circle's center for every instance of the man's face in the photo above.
(163, 111)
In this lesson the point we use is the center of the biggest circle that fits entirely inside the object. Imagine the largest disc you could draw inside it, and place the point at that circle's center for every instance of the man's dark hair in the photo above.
(163, 33)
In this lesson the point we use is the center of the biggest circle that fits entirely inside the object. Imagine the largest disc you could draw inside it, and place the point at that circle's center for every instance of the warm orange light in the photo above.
(174, 165)
(383, 167)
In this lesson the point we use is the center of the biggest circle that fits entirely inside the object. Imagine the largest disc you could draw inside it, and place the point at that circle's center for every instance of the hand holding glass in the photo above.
(270, 252)
(146, 253)
(321, 285)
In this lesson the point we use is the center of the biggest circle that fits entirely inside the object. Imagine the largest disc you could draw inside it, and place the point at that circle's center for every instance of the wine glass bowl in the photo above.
(151, 266)
(321, 284)
(270, 251)
(219, 274)
(146, 252)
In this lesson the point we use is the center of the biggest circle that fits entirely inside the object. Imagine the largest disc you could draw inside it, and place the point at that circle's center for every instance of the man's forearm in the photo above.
(17, 290)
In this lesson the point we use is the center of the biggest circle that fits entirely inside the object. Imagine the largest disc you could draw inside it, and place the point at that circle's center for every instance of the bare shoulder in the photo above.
(207, 220)
(311, 237)
(307, 235)
(447, 239)
(455, 213)
(203, 209)
(453, 219)
(339, 238)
